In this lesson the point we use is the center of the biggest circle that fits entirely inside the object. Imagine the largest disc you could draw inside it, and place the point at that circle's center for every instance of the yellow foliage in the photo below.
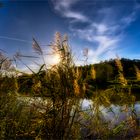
(76, 87)
(93, 73)
(137, 73)
(36, 86)
(119, 64)
(84, 87)
(121, 77)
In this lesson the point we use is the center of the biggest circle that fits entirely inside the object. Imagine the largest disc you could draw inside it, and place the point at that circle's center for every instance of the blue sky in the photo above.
(106, 27)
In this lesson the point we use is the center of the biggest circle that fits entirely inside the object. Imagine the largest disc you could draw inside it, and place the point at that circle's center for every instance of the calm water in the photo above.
(115, 113)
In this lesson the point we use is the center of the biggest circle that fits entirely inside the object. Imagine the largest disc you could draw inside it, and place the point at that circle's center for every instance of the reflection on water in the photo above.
(115, 113)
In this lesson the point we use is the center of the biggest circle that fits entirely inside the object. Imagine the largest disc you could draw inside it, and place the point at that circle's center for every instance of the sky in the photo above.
(108, 28)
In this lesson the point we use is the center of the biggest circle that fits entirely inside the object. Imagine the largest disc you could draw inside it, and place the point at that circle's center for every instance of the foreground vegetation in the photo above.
(48, 104)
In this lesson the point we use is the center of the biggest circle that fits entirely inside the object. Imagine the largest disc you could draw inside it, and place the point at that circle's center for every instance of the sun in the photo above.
(51, 60)
(55, 59)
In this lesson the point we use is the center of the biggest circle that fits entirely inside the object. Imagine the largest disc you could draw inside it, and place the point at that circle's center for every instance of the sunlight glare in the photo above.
(55, 59)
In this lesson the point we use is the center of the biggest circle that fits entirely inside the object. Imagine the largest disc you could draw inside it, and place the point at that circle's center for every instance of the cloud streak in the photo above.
(15, 39)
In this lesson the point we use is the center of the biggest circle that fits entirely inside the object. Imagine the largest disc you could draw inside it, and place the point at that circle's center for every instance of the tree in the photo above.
(104, 73)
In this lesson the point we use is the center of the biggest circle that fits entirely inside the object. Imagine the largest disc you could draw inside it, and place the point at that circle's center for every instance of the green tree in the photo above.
(104, 72)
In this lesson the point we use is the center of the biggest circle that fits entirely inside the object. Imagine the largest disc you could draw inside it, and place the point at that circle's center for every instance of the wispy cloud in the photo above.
(105, 30)
(63, 4)
(100, 34)
(75, 15)
(129, 19)
(64, 8)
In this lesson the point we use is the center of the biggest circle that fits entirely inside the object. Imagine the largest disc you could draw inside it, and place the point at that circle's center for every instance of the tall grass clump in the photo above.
(63, 89)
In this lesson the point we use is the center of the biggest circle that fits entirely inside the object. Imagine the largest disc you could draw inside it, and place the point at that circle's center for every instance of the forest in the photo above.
(106, 76)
